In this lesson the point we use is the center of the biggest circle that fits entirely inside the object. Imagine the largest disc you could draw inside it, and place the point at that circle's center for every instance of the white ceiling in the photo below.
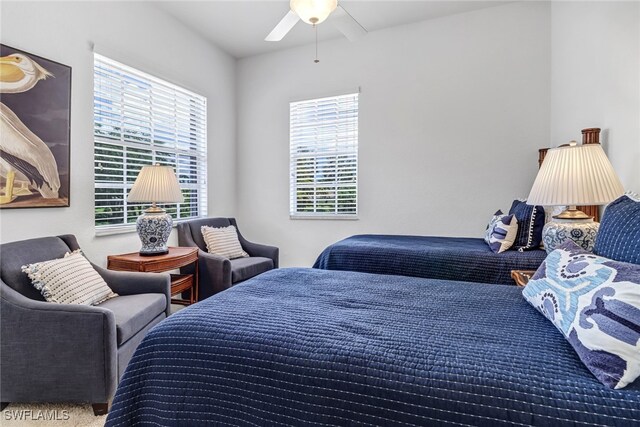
(240, 26)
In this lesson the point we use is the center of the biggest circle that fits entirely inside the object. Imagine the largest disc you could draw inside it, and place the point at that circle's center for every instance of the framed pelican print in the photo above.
(35, 118)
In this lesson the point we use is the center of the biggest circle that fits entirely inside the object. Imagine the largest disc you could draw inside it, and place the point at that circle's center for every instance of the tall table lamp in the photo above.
(155, 184)
(571, 176)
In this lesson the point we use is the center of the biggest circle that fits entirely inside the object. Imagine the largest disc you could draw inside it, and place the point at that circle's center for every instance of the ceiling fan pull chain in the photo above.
(315, 27)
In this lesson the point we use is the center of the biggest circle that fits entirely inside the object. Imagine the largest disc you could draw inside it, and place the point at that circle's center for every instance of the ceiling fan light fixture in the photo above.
(313, 11)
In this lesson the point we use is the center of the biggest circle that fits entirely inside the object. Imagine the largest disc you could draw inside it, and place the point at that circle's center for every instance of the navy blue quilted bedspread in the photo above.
(310, 347)
(446, 258)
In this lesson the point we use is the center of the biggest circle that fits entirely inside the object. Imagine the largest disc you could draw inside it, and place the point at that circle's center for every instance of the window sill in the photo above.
(130, 228)
(325, 217)
(117, 229)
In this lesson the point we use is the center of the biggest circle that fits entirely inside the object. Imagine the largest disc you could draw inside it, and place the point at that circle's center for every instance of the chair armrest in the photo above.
(266, 251)
(214, 274)
(214, 271)
(213, 260)
(256, 249)
(71, 346)
(132, 283)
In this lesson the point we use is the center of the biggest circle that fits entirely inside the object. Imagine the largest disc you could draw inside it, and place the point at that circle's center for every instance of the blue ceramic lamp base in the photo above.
(581, 231)
(154, 227)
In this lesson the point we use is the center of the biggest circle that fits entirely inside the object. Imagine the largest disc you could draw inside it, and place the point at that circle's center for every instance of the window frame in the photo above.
(294, 212)
(191, 161)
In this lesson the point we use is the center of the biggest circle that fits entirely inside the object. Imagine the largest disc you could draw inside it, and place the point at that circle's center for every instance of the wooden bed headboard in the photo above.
(589, 136)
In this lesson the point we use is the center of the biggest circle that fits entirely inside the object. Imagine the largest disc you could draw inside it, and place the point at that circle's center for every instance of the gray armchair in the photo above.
(217, 273)
(70, 353)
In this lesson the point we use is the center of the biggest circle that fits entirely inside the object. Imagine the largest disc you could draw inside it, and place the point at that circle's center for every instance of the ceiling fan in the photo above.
(314, 12)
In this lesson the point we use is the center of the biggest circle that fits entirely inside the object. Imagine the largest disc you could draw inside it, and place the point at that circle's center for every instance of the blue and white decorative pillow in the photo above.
(501, 232)
(595, 303)
(531, 220)
(619, 233)
(69, 280)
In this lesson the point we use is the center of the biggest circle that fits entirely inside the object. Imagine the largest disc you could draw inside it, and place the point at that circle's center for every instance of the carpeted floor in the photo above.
(48, 414)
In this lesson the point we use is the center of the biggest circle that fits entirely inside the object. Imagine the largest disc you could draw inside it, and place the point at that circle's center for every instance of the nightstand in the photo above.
(522, 277)
(176, 258)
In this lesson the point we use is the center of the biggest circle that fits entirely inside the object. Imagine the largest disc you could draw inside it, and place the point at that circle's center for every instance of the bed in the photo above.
(311, 347)
(446, 258)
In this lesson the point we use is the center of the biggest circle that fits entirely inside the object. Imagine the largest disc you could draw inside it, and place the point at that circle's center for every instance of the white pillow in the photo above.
(69, 280)
(223, 241)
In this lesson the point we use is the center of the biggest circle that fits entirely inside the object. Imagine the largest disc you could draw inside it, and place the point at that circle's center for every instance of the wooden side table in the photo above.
(176, 258)
(522, 277)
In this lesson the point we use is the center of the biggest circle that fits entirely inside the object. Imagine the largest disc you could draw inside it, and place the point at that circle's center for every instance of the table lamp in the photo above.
(571, 176)
(155, 184)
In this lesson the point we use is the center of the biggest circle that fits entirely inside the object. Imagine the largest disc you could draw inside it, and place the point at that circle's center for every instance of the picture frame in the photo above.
(35, 136)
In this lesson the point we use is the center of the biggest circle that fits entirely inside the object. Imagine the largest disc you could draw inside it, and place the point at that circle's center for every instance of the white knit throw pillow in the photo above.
(223, 241)
(69, 280)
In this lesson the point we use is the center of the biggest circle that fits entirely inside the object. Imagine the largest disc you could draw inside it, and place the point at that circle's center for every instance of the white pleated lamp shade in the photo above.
(156, 184)
(313, 11)
(575, 175)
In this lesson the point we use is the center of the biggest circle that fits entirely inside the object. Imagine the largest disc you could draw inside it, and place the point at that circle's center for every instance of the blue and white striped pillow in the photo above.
(69, 280)
(501, 232)
(223, 241)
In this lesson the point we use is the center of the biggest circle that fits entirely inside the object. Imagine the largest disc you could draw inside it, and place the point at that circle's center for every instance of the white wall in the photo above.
(596, 79)
(141, 36)
(452, 112)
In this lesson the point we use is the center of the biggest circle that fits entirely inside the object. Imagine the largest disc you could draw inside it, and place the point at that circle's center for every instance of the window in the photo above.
(141, 120)
(324, 157)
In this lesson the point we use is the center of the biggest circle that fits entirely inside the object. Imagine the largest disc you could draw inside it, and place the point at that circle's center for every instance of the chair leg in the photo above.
(100, 408)
(3, 405)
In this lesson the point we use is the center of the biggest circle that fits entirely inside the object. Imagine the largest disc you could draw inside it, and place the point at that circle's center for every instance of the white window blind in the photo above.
(140, 120)
(324, 157)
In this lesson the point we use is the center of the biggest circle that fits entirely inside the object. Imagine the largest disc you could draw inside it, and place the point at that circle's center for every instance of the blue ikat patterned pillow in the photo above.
(595, 303)
(619, 234)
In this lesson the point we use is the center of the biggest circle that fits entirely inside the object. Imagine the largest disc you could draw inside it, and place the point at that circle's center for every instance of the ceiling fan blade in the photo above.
(347, 25)
(284, 26)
